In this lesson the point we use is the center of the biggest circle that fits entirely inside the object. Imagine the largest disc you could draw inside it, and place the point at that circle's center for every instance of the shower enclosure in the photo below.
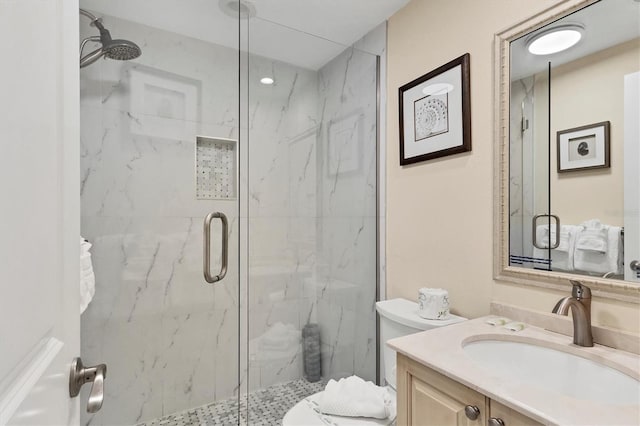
(191, 128)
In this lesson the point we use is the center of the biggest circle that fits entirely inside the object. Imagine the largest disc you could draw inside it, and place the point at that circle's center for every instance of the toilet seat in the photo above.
(305, 413)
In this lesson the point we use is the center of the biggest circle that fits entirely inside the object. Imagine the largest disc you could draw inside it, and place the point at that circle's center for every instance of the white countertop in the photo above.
(441, 349)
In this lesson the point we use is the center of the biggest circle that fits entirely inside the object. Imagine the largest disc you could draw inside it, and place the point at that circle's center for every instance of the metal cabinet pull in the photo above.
(534, 223)
(495, 421)
(472, 412)
(207, 247)
(80, 375)
(634, 265)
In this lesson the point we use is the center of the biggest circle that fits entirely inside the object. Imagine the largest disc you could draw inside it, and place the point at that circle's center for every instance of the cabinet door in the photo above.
(427, 398)
(509, 416)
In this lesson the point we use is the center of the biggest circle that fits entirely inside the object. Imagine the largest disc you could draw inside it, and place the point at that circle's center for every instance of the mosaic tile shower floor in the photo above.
(267, 407)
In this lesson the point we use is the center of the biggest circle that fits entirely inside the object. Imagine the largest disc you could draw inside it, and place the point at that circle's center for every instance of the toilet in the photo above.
(398, 317)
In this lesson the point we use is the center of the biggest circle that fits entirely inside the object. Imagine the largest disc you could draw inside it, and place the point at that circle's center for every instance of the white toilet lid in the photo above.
(305, 413)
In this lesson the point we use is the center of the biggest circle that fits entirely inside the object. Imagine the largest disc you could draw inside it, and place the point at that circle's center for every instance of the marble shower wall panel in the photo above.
(171, 65)
(282, 117)
(518, 95)
(528, 165)
(169, 339)
(282, 217)
(521, 157)
(346, 265)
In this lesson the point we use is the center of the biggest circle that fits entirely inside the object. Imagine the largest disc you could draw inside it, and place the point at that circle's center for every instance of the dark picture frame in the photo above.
(584, 148)
(435, 113)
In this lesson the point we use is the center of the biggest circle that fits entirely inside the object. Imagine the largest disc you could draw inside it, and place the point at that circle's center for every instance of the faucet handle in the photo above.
(580, 291)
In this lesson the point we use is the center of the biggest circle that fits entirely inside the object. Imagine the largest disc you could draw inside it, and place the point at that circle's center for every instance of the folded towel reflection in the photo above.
(599, 248)
(593, 239)
(87, 277)
(547, 238)
(354, 397)
(562, 256)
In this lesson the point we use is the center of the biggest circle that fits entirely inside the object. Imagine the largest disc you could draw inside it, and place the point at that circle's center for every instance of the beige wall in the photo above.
(598, 80)
(440, 212)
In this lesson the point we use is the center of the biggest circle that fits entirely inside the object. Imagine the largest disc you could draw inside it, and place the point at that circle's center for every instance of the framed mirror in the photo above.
(567, 164)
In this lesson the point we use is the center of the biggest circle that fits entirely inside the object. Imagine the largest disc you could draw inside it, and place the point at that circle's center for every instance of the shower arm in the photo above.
(95, 39)
(89, 15)
(90, 58)
(95, 22)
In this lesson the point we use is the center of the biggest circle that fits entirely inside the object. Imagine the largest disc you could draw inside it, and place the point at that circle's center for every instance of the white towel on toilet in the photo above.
(353, 397)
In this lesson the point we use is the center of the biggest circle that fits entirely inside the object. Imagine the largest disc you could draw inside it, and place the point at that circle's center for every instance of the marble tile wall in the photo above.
(346, 265)
(521, 160)
(312, 217)
(282, 212)
(169, 339)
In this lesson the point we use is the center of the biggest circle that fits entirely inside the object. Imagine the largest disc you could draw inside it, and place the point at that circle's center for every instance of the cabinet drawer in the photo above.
(509, 416)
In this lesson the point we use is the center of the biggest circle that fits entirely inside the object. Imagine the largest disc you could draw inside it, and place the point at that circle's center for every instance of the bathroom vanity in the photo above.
(433, 398)
(474, 373)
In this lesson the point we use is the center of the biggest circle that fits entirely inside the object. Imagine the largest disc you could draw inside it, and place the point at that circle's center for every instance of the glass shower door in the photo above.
(160, 150)
(311, 191)
(532, 226)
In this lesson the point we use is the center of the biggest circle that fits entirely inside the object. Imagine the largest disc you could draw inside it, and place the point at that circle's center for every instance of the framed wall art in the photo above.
(435, 113)
(585, 147)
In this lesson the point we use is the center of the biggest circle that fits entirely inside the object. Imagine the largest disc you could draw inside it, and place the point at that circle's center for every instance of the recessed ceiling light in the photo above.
(555, 40)
(267, 81)
(242, 9)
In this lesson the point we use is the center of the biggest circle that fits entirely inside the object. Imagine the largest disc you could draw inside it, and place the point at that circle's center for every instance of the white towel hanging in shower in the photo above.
(87, 277)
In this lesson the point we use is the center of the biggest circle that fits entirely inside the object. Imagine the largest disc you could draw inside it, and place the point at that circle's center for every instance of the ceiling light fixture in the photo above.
(267, 81)
(437, 89)
(555, 39)
(242, 9)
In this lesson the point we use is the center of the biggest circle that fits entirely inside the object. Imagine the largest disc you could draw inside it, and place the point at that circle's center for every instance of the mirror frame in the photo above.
(502, 271)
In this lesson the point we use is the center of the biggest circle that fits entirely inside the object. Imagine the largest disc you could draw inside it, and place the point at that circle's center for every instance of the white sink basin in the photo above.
(555, 370)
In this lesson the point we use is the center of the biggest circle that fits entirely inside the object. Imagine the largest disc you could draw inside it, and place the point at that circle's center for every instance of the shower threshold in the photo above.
(267, 407)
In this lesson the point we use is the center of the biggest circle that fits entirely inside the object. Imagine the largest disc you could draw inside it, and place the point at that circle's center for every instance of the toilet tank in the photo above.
(399, 317)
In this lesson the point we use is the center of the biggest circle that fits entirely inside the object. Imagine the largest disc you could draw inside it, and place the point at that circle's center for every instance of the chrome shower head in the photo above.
(121, 50)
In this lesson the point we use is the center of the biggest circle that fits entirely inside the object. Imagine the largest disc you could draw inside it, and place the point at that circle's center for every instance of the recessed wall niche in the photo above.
(216, 168)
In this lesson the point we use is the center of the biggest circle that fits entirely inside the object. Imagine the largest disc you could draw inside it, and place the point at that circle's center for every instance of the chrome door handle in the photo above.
(634, 265)
(207, 247)
(80, 375)
(534, 223)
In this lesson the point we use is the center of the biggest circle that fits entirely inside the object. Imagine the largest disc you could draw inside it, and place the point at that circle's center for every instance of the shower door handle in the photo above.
(207, 247)
(534, 227)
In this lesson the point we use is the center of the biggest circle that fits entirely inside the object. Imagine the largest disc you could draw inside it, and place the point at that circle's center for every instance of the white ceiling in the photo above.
(293, 31)
(606, 23)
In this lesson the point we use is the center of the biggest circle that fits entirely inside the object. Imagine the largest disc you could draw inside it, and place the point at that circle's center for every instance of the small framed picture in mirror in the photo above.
(585, 147)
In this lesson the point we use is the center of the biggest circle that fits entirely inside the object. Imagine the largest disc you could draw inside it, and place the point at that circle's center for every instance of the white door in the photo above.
(631, 175)
(39, 214)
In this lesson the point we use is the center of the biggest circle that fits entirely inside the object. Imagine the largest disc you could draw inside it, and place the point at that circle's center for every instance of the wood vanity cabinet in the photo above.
(427, 398)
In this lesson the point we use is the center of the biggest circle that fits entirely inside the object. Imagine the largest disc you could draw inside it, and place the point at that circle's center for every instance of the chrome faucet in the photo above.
(580, 304)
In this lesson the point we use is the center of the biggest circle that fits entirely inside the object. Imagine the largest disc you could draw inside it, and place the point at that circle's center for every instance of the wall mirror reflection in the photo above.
(574, 144)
